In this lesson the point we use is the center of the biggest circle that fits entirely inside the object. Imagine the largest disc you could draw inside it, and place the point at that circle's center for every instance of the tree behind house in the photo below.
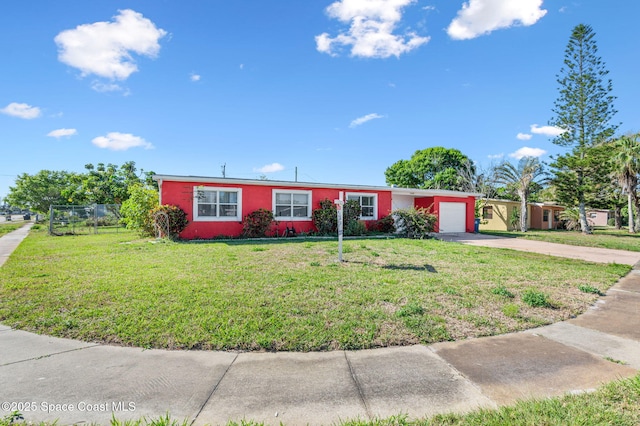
(583, 109)
(522, 178)
(626, 165)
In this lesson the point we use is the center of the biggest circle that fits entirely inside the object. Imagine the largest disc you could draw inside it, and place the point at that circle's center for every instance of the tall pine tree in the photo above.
(584, 109)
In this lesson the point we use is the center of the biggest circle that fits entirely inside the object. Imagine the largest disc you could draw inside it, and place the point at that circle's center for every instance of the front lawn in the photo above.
(285, 294)
(601, 237)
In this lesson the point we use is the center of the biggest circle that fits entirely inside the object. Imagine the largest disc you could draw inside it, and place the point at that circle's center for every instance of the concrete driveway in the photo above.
(591, 254)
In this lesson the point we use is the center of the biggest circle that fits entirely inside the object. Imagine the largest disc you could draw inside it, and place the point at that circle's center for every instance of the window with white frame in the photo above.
(217, 204)
(291, 205)
(367, 204)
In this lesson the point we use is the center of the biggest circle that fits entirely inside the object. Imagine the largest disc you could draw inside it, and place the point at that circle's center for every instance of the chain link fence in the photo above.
(88, 219)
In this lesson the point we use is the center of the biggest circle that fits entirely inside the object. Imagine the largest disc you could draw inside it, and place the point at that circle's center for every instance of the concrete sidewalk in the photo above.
(9, 242)
(48, 378)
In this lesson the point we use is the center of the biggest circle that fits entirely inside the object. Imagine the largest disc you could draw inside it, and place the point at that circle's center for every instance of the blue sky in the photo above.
(341, 90)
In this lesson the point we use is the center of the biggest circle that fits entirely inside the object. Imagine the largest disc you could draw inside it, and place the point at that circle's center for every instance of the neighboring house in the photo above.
(216, 206)
(598, 217)
(498, 215)
(546, 216)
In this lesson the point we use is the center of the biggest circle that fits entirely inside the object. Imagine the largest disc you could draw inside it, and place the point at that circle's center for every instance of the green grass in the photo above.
(6, 227)
(286, 295)
(616, 403)
(601, 237)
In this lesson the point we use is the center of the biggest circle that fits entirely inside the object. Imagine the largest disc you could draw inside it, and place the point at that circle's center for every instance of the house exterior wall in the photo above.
(433, 204)
(598, 217)
(254, 197)
(402, 202)
(215, 207)
(470, 210)
(501, 212)
(538, 217)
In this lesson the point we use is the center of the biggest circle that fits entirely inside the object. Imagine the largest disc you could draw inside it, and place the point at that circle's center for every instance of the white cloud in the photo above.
(102, 87)
(241, 66)
(547, 130)
(270, 168)
(104, 48)
(371, 32)
(525, 151)
(495, 156)
(59, 133)
(361, 120)
(116, 141)
(25, 111)
(480, 17)
(195, 77)
(524, 136)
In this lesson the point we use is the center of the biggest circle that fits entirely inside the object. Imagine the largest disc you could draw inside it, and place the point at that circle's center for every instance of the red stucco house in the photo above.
(216, 206)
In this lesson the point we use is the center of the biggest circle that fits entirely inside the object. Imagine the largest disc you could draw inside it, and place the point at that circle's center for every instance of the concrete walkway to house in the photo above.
(49, 378)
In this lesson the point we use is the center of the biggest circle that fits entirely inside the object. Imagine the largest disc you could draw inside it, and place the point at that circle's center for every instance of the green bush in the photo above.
(135, 211)
(177, 219)
(325, 218)
(351, 213)
(414, 223)
(384, 224)
(571, 219)
(355, 228)
(535, 298)
(257, 223)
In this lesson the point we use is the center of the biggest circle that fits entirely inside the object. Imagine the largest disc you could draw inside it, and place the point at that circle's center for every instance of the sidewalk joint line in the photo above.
(49, 355)
(357, 383)
(215, 388)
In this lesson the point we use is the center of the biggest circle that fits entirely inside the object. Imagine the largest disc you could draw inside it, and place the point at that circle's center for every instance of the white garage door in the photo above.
(453, 217)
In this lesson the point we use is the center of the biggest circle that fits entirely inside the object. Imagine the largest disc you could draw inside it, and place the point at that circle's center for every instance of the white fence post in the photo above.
(340, 207)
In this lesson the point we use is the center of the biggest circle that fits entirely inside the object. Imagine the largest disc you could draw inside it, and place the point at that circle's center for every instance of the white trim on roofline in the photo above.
(288, 184)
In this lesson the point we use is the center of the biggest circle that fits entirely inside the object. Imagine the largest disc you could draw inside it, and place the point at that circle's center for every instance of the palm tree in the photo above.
(521, 178)
(626, 161)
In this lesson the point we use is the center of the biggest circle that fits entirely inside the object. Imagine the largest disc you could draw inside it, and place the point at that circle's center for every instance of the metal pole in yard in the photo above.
(340, 204)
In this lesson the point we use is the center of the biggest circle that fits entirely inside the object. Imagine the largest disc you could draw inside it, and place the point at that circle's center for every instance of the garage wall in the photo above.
(469, 219)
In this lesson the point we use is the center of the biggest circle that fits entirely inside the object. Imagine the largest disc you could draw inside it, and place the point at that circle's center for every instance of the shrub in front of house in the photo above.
(355, 228)
(385, 225)
(135, 211)
(414, 223)
(325, 218)
(257, 223)
(177, 219)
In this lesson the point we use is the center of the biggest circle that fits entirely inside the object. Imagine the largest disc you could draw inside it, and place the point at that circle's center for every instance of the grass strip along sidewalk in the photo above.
(7, 227)
(286, 295)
